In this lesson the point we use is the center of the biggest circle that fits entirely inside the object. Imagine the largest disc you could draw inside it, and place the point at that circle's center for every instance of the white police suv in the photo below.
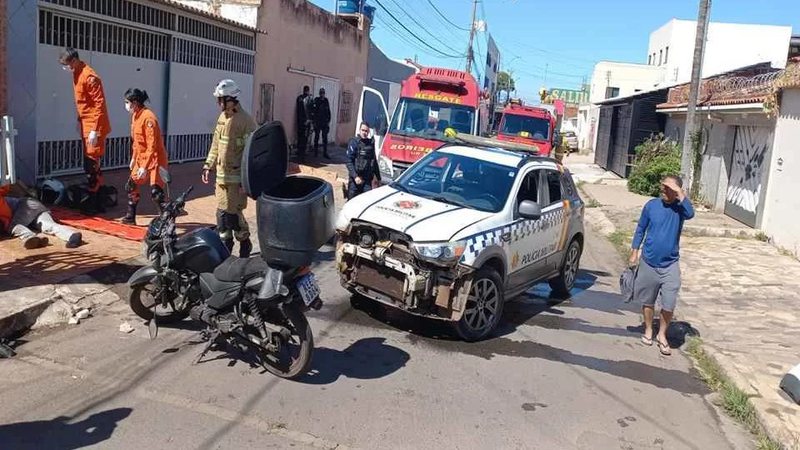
(461, 231)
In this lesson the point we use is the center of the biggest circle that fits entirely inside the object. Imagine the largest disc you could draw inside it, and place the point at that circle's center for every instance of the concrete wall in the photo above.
(20, 63)
(728, 47)
(718, 151)
(3, 66)
(304, 37)
(192, 107)
(781, 219)
(629, 78)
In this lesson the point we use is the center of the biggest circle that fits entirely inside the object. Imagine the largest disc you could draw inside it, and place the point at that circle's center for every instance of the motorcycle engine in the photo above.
(223, 322)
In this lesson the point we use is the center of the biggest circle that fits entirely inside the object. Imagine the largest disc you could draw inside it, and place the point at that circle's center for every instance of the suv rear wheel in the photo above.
(564, 282)
(484, 306)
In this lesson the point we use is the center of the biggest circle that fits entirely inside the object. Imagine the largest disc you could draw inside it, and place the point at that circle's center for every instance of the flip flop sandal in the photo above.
(664, 348)
(647, 341)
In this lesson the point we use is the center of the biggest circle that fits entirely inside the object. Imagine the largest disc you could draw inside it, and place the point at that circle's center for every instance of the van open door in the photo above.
(372, 109)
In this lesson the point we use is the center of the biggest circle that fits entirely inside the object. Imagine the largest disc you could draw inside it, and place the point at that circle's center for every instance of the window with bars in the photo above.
(204, 55)
(345, 107)
(155, 17)
(102, 37)
(212, 32)
(123, 9)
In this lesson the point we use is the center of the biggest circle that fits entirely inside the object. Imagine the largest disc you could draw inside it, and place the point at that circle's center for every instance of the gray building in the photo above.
(386, 76)
(177, 54)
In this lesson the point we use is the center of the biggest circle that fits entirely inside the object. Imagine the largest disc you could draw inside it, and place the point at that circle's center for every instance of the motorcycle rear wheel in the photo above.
(145, 309)
(293, 358)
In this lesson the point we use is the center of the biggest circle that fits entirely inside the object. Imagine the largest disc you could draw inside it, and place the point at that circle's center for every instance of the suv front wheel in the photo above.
(563, 283)
(484, 306)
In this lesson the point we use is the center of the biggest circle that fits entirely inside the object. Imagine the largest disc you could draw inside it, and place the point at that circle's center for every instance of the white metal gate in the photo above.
(747, 175)
(332, 93)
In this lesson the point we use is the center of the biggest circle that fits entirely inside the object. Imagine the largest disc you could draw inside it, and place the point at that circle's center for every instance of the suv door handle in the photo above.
(506, 237)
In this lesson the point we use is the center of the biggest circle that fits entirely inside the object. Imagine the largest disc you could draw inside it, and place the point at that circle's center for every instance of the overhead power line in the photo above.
(398, 33)
(411, 33)
(430, 2)
(424, 28)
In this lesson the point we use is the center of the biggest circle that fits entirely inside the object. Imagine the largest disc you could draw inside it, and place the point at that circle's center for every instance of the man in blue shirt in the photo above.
(659, 271)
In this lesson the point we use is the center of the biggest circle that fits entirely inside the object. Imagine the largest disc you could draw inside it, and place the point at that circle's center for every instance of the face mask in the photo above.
(128, 106)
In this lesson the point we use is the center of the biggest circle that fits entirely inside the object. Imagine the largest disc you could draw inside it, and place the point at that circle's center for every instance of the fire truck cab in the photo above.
(435, 105)
(529, 125)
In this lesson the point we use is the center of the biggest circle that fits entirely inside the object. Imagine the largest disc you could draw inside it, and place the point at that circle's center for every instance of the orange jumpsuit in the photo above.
(149, 153)
(90, 102)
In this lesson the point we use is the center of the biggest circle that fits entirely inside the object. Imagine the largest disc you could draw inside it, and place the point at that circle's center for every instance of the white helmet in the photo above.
(227, 88)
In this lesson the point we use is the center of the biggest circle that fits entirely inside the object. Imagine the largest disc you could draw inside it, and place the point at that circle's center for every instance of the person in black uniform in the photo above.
(303, 115)
(362, 165)
(322, 120)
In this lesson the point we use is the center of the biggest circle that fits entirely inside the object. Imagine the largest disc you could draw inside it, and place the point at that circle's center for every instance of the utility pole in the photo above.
(687, 156)
(471, 36)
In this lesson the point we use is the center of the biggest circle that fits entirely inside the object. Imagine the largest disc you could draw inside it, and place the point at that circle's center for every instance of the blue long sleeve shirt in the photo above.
(660, 228)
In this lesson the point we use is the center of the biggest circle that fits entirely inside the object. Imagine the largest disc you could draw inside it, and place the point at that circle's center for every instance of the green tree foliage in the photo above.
(655, 158)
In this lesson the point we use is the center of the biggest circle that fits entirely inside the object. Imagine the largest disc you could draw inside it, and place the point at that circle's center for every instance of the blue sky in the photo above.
(535, 36)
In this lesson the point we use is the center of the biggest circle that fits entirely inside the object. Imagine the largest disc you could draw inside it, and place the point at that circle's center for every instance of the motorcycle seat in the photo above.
(238, 269)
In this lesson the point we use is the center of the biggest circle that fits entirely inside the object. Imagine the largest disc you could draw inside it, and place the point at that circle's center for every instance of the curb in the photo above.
(24, 319)
(774, 432)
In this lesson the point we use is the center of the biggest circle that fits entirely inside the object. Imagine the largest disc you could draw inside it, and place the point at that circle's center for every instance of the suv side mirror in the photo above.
(530, 210)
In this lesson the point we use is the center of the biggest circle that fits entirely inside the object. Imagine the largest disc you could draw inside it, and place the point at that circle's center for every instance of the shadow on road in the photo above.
(365, 359)
(677, 332)
(59, 433)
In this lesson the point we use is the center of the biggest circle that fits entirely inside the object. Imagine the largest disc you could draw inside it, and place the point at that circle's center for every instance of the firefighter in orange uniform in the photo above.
(148, 157)
(93, 121)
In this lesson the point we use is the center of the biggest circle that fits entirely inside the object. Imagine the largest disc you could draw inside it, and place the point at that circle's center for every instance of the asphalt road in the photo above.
(566, 375)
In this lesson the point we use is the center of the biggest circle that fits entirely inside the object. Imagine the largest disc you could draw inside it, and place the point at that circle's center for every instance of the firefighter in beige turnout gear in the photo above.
(225, 157)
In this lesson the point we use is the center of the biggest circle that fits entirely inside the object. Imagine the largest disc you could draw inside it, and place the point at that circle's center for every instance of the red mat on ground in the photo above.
(98, 224)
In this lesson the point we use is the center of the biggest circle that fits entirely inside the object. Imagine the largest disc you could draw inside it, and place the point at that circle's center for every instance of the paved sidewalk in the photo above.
(47, 285)
(740, 294)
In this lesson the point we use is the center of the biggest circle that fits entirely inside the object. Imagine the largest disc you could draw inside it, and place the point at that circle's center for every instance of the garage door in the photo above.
(747, 180)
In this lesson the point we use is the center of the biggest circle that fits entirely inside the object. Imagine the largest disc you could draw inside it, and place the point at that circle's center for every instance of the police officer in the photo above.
(322, 120)
(304, 114)
(225, 156)
(361, 163)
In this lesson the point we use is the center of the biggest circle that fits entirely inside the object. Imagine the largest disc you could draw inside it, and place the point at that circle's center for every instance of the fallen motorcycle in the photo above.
(261, 301)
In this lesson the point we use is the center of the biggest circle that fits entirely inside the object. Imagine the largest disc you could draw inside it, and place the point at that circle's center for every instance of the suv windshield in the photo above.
(459, 180)
(525, 126)
(429, 119)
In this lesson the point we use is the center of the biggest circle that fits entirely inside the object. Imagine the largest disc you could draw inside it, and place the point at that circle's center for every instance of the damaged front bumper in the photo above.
(390, 274)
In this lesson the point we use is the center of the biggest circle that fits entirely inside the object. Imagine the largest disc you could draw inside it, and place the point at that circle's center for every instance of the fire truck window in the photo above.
(534, 127)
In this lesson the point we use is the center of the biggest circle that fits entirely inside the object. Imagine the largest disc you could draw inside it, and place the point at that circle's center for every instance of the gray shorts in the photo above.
(658, 283)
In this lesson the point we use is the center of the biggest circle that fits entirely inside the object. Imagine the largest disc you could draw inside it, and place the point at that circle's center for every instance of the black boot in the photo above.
(130, 216)
(229, 244)
(245, 247)
(97, 202)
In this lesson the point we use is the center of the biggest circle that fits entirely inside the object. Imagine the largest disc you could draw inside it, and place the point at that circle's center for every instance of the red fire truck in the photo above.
(530, 125)
(434, 104)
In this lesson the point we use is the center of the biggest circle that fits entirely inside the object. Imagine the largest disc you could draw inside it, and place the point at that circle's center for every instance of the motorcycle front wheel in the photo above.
(292, 358)
(143, 303)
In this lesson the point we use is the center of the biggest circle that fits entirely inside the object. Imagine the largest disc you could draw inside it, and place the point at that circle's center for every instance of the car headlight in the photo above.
(385, 165)
(444, 252)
